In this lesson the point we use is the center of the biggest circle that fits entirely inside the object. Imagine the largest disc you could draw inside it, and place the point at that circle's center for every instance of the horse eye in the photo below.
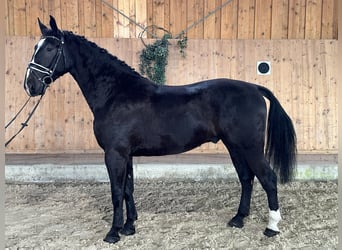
(49, 49)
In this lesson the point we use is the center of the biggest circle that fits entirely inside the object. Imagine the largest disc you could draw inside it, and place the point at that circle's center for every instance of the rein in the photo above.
(25, 123)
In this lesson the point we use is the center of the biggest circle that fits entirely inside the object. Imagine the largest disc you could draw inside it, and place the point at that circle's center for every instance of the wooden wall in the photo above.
(240, 19)
(303, 78)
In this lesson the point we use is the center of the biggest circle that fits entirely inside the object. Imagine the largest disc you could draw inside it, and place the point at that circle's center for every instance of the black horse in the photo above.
(136, 117)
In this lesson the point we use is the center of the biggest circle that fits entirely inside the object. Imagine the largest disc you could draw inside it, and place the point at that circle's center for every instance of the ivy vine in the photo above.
(154, 57)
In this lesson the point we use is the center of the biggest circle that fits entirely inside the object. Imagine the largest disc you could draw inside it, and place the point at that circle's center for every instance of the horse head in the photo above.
(48, 60)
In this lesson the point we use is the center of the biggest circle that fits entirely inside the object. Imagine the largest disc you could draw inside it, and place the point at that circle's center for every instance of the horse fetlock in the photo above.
(273, 220)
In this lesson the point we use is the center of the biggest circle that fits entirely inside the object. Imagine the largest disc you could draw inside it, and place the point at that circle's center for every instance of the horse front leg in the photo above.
(116, 167)
(132, 216)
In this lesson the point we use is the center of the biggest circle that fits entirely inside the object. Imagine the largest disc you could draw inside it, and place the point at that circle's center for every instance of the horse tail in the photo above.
(281, 139)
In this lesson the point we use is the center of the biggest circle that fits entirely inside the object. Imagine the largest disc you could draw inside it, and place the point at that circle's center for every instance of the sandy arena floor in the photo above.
(172, 215)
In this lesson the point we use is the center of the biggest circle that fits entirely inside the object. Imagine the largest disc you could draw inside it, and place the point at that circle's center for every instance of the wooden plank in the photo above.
(167, 15)
(70, 15)
(320, 96)
(9, 17)
(132, 11)
(195, 12)
(336, 15)
(19, 18)
(328, 19)
(178, 16)
(107, 21)
(246, 14)
(296, 21)
(280, 17)
(141, 16)
(150, 12)
(229, 21)
(89, 18)
(34, 10)
(98, 18)
(331, 114)
(158, 17)
(313, 19)
(116, 21)
(82, 10)
(263, 16)
(54, 9)
(297, 102)
(212, 25)
(123, 6)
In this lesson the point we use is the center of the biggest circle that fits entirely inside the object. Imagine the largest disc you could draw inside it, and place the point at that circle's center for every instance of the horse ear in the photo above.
(42, 27)
(53, 24)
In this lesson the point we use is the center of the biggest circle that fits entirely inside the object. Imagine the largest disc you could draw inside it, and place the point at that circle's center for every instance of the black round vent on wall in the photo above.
(263, 68)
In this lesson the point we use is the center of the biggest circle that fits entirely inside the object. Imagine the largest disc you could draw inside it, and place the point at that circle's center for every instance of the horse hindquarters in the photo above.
(244, 135)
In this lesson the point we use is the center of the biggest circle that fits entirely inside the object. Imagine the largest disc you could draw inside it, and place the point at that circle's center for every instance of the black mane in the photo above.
(103, 54)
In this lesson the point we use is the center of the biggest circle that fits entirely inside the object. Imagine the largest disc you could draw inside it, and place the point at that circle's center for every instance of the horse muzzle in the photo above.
(36, 83)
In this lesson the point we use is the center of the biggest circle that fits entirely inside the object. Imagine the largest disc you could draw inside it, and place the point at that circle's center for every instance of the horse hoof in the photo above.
(111, 238)
(270, 233)
(128, 230)
(235, 222)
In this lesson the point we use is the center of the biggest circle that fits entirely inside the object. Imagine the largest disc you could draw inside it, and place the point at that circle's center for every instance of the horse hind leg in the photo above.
(246, 177)
(132, 216)
(268, 180)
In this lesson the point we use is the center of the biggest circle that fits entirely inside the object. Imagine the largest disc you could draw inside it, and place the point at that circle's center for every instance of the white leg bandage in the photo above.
(274, 218)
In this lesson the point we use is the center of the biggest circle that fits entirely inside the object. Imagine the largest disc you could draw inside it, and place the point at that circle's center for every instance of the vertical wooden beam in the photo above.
(116, 21)
(296, 29)
(229, 21)
(82, 10)
(195, 12)
(263, 19)
(246, 19)
(9, 17)
(313, 19)
(141, 16)
(280, 16)
(178, 16)
(98, 18)
(89, 18)
(158, 17)
(107, 21)
(54, 9)
(210, 23)
(19, 18)
(167, 14)
(132, 15)
(328, 19)
(34, 9)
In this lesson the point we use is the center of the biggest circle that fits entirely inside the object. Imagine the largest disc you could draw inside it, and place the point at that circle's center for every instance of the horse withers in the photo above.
(136, 117)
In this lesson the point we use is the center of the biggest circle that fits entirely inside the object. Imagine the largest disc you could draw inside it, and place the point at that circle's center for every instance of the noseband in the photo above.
(48, 73)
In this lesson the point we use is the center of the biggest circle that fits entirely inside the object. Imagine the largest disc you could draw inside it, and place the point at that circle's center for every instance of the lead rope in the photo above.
(25, 123)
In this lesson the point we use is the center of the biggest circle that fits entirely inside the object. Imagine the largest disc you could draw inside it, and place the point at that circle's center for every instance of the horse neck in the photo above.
(98, 74)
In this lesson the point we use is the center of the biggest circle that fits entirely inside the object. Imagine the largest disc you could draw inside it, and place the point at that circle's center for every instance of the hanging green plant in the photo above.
(153, 58)
(182, 43)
